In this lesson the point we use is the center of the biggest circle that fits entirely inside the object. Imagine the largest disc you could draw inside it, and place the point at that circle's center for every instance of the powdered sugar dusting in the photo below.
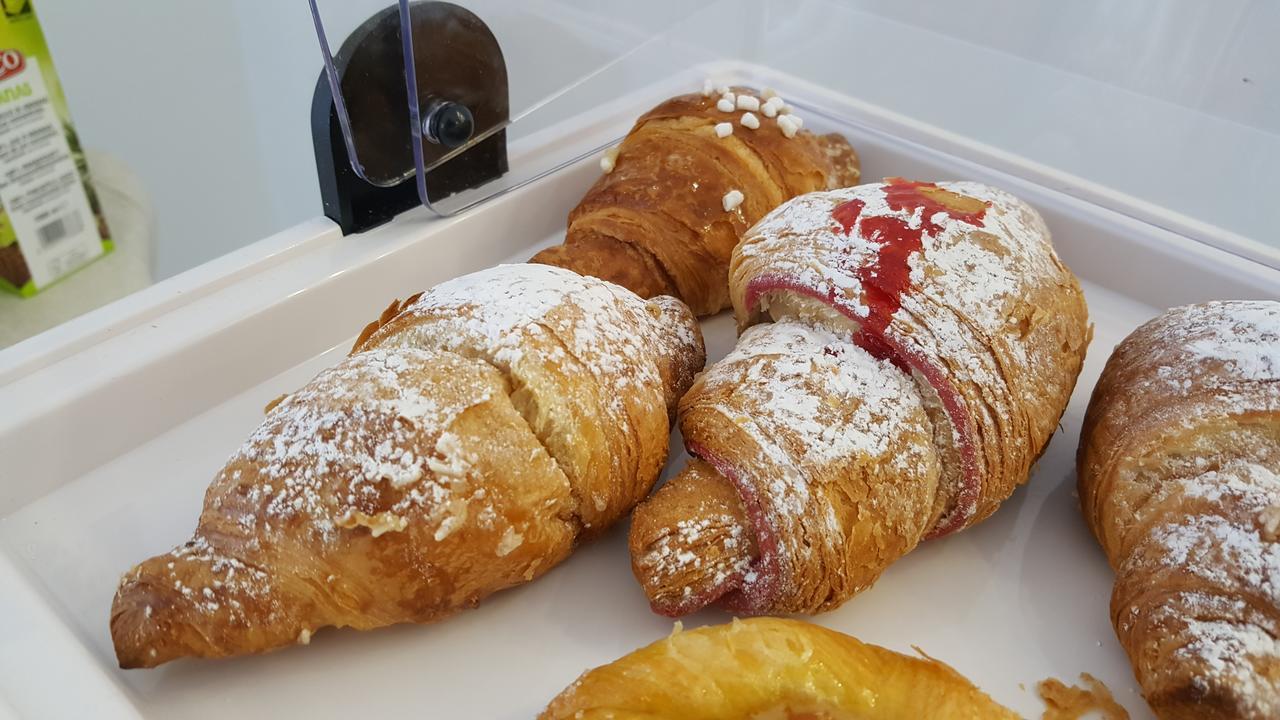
(1229, 657)
(576, 350)
(1220, 536)
(780, 360)
(823, 400)
(972, 314)
(493, 312)
(230, 582)
(669, 555)
(330, 456)
(1223, 357)
(1243, 336)
(976, 279)
(1231, 653)
(363, 423)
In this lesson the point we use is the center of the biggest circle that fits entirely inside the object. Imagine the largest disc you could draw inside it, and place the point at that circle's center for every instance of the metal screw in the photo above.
(447, 123)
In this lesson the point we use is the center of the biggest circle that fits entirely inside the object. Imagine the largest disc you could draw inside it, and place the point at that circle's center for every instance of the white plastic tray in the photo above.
(112, 426)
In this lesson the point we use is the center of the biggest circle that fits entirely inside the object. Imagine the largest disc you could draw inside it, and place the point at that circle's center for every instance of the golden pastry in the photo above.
(680, 192)
(474, 436)
(1179, 471)
(771, 669)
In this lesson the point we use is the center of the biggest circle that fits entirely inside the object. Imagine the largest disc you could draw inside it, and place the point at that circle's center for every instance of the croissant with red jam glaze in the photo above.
(907, 351)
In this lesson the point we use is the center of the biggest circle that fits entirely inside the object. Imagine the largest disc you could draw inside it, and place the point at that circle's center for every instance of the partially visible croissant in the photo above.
(474, 436)
(925, 340)
(1179, 470)
(658, 222)
(771, 668)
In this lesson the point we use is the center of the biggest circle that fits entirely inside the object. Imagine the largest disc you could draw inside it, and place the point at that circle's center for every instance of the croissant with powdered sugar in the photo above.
(474, 436)
(1179, 470)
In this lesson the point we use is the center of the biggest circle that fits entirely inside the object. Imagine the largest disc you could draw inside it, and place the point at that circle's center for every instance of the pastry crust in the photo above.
(657, 224)
(1179, 469)
(829, 451)
(989, 319)
(771, 668)
(426, 471)
(960, 334)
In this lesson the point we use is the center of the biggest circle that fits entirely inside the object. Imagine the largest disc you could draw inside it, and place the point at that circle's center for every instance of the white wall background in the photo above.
(1176, 101)
(165, 87)
(209, 102)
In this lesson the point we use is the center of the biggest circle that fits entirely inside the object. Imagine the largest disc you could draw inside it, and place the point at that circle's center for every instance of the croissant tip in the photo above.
(125, 629)
(1194, 697)
(129, 662)
(137, 627)
(685, 605)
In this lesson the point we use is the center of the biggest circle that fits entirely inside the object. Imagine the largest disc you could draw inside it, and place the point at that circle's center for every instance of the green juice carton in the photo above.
(51, 223)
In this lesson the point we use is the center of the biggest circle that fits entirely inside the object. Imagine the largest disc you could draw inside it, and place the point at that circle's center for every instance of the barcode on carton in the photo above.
(59, 228)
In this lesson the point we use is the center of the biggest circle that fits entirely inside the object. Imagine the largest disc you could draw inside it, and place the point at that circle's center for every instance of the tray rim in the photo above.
(79, 334)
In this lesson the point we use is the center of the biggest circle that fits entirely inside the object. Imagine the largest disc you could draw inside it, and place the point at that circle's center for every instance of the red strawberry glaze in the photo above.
(846, 214)
(909, 195)
(888, 277)
(884, 281)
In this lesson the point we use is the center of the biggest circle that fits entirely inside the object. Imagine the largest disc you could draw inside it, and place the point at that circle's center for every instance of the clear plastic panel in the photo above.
(1152, 98)
(1173, 102)
(561, 60)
